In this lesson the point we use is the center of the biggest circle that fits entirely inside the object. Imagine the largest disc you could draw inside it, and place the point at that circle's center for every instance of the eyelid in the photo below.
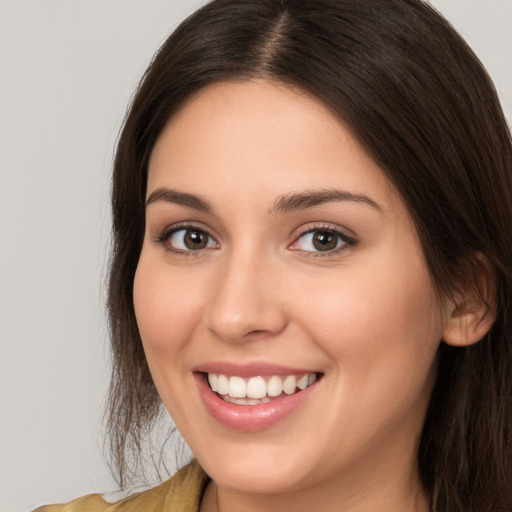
(166, 233)
(349, 240)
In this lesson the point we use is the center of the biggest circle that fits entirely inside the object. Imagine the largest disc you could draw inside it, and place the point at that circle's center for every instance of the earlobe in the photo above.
(471, 312)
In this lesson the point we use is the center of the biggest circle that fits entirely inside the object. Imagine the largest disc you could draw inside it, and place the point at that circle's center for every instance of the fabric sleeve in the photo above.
(181, 493)
(89, 503)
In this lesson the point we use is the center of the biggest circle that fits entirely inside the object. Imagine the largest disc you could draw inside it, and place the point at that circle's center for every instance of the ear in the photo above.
(471, 311)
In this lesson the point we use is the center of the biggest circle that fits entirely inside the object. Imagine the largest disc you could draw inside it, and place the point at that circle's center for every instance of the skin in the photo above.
(366, 316)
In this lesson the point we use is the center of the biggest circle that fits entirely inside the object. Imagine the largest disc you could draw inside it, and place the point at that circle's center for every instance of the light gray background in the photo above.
(67, 71)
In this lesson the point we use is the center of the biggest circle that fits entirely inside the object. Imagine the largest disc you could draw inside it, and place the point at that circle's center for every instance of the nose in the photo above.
(247, 303)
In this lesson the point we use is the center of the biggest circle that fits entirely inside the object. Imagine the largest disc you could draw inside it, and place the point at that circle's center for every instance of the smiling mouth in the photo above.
(258, 390)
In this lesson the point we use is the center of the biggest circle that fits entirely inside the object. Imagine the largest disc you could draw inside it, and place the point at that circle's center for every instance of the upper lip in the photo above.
(250, 369)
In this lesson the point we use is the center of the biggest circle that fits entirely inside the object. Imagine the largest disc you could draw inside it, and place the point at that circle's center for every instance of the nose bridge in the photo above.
(245, 303)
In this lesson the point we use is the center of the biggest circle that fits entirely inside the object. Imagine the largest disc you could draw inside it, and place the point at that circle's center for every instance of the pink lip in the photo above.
(250, 418)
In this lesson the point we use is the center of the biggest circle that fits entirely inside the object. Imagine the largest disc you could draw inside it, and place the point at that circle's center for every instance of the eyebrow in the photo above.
(309, 198)
(168, 195)
(284, 204)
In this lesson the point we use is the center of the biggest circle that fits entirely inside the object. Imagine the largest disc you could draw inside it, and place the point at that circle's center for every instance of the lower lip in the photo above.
(250, 417)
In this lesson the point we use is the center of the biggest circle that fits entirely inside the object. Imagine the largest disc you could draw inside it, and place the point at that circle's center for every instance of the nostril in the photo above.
(256, 333)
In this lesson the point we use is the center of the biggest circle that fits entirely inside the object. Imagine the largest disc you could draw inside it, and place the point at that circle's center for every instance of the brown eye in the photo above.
(189, 239)
(195, 240)
(325, 240)
(322, 240)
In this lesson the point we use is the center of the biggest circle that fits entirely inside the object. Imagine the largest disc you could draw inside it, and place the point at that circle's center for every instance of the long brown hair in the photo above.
(421, 104)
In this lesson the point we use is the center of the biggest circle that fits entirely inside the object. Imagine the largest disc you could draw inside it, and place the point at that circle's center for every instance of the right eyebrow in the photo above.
(309, 198)
(168, 195)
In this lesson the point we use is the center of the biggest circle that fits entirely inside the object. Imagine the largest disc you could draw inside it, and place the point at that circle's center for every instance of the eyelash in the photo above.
(346, 240)
(167, 233)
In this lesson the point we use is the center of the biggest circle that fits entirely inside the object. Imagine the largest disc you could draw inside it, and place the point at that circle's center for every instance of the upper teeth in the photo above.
(259, 387)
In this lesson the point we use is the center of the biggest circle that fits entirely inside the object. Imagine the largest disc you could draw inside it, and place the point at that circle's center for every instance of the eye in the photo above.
(322, 240)
(190, 239)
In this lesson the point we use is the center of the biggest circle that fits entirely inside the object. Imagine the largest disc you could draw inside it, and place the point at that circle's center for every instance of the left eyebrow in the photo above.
(168, 195)
(309, 198)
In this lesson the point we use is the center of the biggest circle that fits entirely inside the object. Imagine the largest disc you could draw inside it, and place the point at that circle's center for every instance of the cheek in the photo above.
(167, 307)
(376, 326)
(381, 337)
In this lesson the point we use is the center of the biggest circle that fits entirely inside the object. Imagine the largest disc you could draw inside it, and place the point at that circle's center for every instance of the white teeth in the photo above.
(237, 387)
(302, 383)
(256, 387)
(246, 401)
(289, 385)
(274, 386)
(212, 379)
(257, 390)
(222, 385)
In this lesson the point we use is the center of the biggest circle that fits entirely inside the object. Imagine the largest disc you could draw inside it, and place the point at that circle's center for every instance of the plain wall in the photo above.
(67, 72)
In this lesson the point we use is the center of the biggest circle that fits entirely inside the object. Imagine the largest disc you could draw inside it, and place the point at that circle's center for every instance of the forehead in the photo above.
(254, 136)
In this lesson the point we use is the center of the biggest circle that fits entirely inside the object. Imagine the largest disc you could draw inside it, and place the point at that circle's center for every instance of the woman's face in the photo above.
(277, 253)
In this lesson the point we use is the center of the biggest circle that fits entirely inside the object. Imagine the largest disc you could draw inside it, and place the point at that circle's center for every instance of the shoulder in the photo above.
(182, 493)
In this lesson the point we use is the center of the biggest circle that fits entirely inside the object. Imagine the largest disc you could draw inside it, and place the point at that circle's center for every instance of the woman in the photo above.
(312, 263)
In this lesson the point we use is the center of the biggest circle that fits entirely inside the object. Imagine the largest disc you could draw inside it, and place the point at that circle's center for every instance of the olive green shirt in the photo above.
(181, 493)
